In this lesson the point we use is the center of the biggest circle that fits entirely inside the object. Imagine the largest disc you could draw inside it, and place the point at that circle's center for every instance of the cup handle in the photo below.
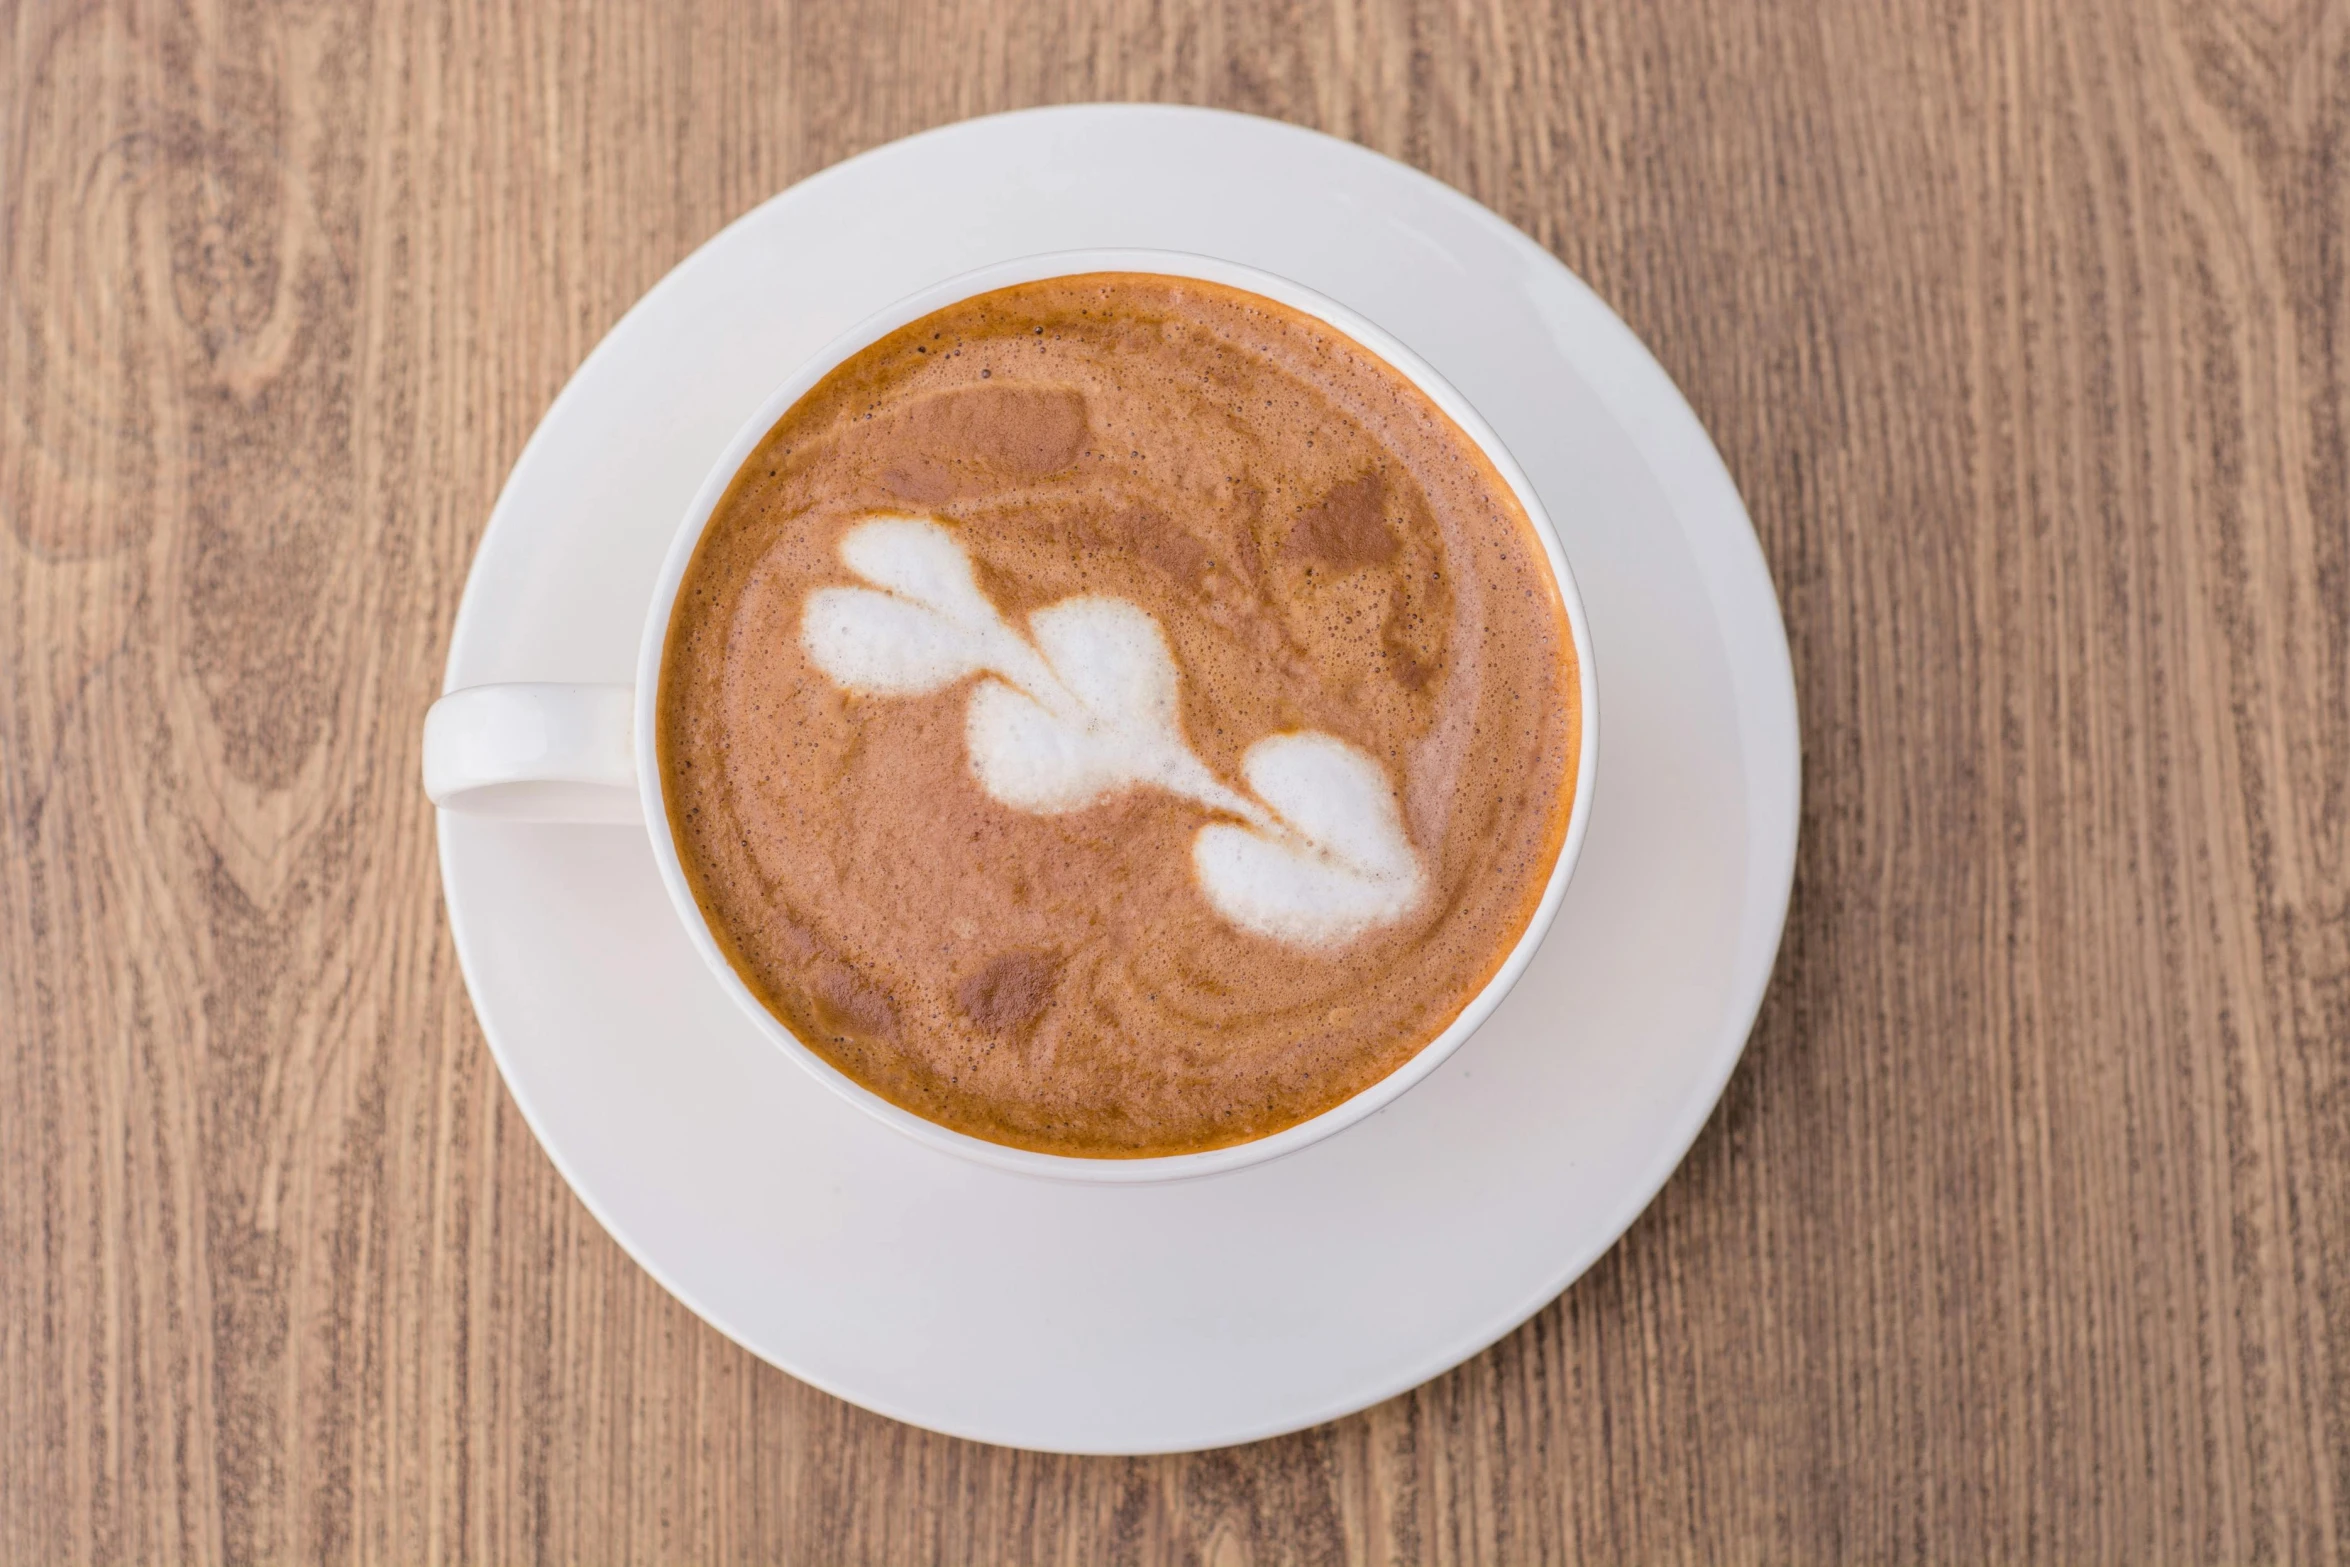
(534, 753)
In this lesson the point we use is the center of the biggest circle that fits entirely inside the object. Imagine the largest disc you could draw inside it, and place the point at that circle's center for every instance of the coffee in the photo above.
(1117, 716)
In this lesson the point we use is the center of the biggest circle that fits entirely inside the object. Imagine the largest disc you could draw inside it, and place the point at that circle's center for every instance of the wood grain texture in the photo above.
(2024, 1232)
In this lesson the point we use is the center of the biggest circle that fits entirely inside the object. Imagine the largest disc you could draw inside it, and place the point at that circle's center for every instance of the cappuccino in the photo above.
(1117, 716)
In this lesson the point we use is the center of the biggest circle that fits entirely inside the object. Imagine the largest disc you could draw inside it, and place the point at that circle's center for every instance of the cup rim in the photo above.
(1149, 1169)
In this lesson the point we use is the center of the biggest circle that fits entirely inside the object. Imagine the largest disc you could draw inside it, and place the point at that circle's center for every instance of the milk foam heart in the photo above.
(1345, 865)
(1085, 705)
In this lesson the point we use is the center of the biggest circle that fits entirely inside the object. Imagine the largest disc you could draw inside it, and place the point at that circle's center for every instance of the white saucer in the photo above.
(1121, 1319)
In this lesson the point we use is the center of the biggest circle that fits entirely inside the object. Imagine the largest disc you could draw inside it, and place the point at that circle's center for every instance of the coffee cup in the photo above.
(552, 752)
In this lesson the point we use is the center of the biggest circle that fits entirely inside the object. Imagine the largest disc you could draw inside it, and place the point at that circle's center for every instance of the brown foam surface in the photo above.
(1323, 549)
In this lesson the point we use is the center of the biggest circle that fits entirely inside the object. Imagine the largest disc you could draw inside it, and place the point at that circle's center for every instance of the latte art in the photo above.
(1088, 707)
(1117, 716)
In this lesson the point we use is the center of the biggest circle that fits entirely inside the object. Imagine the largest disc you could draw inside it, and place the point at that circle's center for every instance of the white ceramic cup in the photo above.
(585, 753)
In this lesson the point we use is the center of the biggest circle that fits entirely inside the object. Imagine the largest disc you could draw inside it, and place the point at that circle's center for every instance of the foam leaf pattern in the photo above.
(917, 559)
(1342, 866)
(1086, 705)
(886, 646)
(1106, 720)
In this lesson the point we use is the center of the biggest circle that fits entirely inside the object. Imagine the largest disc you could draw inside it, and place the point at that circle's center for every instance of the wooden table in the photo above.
(2024, 1232)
